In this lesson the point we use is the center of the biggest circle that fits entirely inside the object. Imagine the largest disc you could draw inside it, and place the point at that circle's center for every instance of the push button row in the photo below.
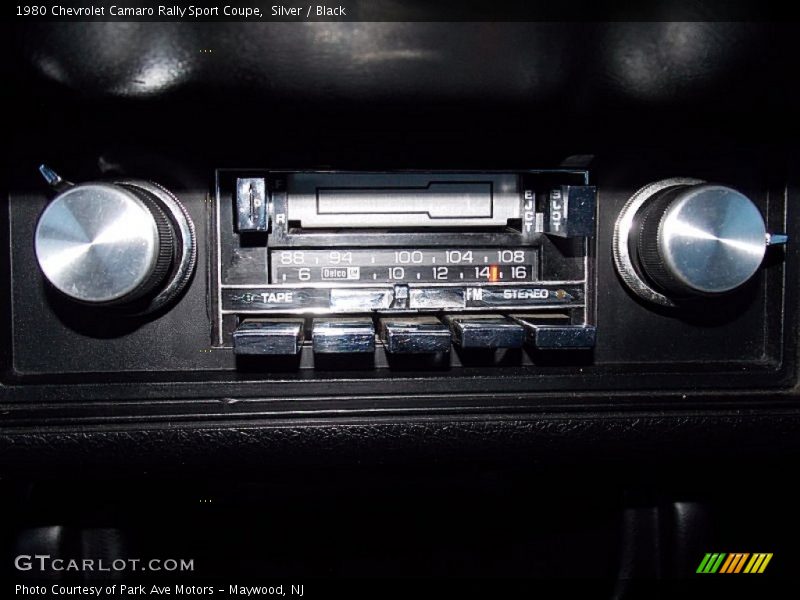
(411, 335)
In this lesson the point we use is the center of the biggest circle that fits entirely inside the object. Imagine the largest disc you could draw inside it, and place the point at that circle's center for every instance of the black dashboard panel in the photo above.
(81, 357)
(647, 414)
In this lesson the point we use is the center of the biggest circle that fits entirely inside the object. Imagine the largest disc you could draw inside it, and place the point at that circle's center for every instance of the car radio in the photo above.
(485, 260)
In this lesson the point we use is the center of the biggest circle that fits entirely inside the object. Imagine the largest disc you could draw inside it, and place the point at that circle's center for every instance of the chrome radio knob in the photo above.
(128, 243)
(680, 238)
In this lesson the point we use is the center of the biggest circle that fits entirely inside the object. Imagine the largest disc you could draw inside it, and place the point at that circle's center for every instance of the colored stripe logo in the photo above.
(734, 562)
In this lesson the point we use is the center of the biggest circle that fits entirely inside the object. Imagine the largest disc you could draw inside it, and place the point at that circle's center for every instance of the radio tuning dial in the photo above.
(684, 238)
(125, 243)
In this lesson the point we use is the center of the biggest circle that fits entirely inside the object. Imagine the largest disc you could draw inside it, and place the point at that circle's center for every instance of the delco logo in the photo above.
(736, 562)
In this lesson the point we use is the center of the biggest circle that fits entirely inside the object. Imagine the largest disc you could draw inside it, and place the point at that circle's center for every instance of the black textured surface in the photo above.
(635, 438)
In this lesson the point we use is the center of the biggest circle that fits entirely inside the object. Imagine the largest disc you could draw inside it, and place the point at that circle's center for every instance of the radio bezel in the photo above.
(236, 296)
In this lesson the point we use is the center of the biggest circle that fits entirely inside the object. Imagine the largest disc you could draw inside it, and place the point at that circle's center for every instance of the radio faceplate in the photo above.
(402, 244)
(430, 332)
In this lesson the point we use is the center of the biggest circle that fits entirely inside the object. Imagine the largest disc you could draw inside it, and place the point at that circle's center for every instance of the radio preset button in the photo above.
(553, 332)
(268, 337)
(414, 335)
(486, 331)
(343, 336)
